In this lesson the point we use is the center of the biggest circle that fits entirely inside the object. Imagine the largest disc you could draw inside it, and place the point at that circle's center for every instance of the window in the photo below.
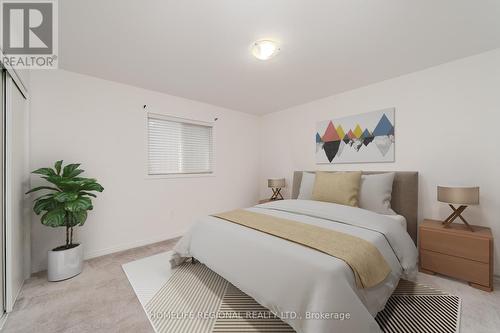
(179, 146)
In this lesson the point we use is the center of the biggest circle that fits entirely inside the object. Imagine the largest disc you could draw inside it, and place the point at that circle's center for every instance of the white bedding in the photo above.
(399, 219)
(295, 281)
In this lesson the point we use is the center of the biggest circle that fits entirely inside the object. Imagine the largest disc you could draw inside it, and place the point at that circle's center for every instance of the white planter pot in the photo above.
(65, 264)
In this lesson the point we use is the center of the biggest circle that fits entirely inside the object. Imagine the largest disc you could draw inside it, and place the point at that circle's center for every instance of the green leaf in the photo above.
(44, 196)
(57, 166)
(88, 193)
(81, 179)
(68, 169)
(81, 203)
(63, 183)
(45, 172)
(65, 196)
(84, 181)
(54, 218)
(69, 185)
(70, 200)
(42, 188)
(75, 173)
(44, 205)
(54, 179)
(92, 187)
(79, 217)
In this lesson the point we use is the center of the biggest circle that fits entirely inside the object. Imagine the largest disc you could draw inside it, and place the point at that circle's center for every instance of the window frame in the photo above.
(211, 124)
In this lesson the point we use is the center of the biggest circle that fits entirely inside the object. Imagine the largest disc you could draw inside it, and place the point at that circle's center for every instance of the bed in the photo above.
(311, 291)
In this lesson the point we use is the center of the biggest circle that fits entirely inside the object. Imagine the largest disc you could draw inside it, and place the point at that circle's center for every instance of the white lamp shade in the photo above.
(276, 182)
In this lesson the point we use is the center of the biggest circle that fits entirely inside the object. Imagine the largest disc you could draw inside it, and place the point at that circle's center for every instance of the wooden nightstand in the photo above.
(457, 252)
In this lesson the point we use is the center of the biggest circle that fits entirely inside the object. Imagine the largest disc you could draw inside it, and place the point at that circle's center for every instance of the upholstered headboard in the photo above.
(404, 195)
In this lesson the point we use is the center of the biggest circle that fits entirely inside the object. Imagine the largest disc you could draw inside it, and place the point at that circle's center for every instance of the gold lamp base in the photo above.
(457, 213)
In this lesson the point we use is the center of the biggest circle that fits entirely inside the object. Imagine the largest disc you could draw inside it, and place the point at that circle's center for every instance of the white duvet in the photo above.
(311, 291)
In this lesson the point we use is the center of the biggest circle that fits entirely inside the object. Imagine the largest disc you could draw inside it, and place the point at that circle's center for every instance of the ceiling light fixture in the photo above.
(265, 49)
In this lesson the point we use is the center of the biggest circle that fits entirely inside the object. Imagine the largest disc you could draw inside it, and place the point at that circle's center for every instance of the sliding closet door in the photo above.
(2, 193)
(17, 207)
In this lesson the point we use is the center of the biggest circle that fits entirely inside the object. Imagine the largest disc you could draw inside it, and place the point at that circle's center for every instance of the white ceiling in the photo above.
(200, 49)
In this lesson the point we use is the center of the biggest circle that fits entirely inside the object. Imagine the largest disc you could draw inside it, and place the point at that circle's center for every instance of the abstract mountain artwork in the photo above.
(367, 137)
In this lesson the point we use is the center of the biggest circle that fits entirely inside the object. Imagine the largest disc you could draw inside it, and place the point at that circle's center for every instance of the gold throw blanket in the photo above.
(365, 260)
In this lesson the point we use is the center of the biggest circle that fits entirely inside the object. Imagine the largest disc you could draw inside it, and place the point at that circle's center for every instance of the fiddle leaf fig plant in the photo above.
(68, 199)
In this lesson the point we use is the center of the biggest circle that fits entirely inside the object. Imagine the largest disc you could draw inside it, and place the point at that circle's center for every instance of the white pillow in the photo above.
(376, 192)
(306, 186)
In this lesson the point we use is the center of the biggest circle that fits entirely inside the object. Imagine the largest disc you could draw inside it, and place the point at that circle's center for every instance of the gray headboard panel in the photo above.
(404, 195)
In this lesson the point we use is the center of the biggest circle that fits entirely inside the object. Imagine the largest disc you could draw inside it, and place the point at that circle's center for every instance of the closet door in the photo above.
(2, 192)
(18, 213)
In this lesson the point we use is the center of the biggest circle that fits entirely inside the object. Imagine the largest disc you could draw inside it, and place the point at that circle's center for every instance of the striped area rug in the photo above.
(186, 302)
(197, 300)
(236, 306)
(417, 308)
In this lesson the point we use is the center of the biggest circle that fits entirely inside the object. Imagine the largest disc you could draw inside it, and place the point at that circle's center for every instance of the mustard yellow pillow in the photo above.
(337, 187)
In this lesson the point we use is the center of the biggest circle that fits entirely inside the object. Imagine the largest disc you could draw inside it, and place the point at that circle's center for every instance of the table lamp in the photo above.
(462, 196)
(276, 185)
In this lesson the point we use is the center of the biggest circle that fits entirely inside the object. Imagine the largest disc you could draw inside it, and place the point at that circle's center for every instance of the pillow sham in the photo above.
(306, 186)
(376, 193)
(337, 187)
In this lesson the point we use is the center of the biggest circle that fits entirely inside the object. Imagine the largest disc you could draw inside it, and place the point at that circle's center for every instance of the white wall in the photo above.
(447, 129)
(101, 124)
(447, 118)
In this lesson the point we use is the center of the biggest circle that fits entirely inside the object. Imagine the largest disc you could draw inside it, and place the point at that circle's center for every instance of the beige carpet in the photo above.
(99, 300)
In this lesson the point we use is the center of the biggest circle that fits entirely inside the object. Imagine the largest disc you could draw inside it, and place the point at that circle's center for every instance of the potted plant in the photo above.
(66, 205)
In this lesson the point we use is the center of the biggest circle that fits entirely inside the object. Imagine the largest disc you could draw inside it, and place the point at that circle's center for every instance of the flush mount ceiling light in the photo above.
(265, 49)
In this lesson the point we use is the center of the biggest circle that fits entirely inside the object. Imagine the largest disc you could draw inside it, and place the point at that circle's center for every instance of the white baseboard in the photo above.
(120, 247)
(128, 246)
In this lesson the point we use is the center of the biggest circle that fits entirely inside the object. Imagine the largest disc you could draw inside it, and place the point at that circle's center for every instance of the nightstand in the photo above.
(457, 252)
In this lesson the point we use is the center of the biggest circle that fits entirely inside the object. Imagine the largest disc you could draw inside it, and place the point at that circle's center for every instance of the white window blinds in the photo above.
(177, 146)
